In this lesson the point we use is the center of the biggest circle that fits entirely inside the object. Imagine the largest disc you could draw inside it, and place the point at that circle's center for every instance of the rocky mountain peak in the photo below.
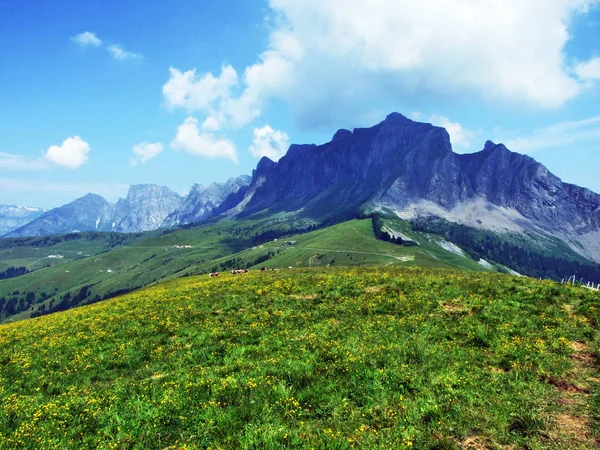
(341, 135)
(145, 208)
(396, 117)
(489, 146)
(201, 202)
(90, 198)
(265, 165)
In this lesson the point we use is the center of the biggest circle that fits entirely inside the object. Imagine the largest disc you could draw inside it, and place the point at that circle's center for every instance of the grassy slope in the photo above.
(152, 259)
(350, 243)
(430, 243)
(333, 358)
(139, 264)
(33, 252)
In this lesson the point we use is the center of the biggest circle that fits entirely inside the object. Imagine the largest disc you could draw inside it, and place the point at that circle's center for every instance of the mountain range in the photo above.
(202, 201)
(409, 168)
(147, 207)
(399, 165)
(13, 216)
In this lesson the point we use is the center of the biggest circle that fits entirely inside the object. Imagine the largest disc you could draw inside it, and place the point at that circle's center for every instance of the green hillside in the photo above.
(324, 358)
(98, 266)
(353, 243)
(37, 252)
(213, 247)
(151, 257)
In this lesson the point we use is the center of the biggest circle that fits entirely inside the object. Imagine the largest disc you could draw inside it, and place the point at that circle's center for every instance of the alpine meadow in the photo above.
(300, 224)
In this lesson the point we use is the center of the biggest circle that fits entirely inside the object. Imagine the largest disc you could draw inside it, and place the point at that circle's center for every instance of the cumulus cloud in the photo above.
(120, 54)
(557, 135)
(589, 70)
(459, 135)
(198, 93)
(72, 154)
(144, 152)
(191, 140)
(211, 124)
(87, 39)
(344, 59)
(269, 142)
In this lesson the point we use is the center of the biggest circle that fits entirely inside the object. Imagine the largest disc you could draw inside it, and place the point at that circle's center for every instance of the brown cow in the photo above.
(213, 274)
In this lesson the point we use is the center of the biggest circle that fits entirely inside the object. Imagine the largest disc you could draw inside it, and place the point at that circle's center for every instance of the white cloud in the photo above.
(211, 124)
(269, 142)
(120, 54)
(459, 135)
(11, 161)
(198, 93)
(589, 70)
(558, 135)
(87, 39)
(14, 162)
(343, 60)
(144, 152)
(72, 154)
(190, 140)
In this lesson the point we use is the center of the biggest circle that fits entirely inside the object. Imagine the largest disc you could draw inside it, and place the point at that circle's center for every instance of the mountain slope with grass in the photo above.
(54, 273)
(311, 358)
(162, 256)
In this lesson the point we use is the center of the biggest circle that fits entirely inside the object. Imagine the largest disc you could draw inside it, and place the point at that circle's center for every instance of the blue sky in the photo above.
(98, 95)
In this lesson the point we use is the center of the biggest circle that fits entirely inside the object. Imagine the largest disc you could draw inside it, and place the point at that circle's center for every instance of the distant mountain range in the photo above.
(399, 165)
(146, 207)
(202, 201)
(13, 216)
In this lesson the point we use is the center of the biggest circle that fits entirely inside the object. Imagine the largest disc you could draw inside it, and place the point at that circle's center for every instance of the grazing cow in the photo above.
(213, 274)
(263, 269)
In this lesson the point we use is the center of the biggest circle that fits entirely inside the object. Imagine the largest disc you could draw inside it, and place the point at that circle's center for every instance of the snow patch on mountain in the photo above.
(451, 247)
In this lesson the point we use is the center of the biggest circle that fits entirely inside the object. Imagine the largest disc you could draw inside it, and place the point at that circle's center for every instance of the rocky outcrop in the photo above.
(145, 208)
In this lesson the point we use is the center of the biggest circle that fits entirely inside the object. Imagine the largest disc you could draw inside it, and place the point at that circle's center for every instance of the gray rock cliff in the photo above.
(410, 168)
(202, 201)
(145, 208)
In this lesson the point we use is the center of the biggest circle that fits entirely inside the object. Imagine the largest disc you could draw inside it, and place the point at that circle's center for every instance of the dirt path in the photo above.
(570, 425)
(400, 258)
